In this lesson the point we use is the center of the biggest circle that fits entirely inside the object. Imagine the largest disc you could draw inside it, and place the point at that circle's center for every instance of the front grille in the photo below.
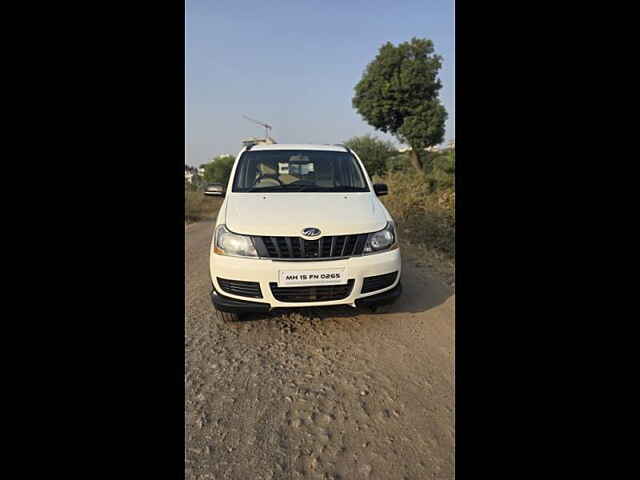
(322, 293)
(237, 287)
(371, 284)
(299, 248)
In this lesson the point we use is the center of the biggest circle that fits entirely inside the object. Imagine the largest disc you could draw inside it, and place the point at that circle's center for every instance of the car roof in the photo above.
(298, 146)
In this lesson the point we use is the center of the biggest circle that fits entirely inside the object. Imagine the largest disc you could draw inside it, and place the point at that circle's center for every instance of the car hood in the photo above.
(284, 214)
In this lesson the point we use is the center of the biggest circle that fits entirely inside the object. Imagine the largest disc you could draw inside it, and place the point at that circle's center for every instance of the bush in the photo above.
(442, 176)
(425, 215)
(190, 186)
(445, 162)
(219, 170)
(373, 152)
(398, 163)
(198, 206)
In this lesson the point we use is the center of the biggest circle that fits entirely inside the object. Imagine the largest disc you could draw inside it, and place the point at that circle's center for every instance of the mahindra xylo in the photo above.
(301, 226)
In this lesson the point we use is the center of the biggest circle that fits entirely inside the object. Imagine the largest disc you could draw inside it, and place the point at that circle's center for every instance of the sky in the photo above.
(294, 65)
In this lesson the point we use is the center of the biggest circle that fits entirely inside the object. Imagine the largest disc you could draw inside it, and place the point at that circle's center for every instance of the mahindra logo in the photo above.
(311, 232)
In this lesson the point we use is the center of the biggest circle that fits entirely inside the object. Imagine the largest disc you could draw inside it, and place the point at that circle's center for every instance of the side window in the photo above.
(249, 172)
(350, 172)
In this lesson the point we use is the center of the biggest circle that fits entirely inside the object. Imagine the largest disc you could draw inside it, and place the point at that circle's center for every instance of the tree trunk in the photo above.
(416, 161)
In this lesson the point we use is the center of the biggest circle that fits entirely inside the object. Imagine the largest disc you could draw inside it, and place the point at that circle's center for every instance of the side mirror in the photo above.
(380, 189)
(215, 190)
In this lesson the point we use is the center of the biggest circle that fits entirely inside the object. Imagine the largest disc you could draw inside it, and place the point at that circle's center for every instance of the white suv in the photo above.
(301, 226)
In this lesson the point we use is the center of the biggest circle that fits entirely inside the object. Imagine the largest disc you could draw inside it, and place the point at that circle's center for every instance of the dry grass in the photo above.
(424, 219)
(198, 206)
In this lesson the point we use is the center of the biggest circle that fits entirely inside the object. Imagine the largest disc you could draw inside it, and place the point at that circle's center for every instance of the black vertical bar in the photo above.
(333, 244)
(266, 242)
(275, 242)
(261, 247)
(355, 244)
(344, 245)
(359, 247)
(288, 239)
(301, 247)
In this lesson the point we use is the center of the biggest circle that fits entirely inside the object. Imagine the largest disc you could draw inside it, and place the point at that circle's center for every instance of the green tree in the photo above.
(219, 170)
(398, 94)
(442, 175)
(373, 152)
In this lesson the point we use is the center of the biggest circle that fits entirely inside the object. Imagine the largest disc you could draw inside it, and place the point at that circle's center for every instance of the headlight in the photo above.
(382, 240)
(227, 243)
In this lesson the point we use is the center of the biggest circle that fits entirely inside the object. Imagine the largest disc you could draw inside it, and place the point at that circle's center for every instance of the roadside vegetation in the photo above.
(197, 206)
(219, 169)
(421, 202)
(399, 94)
(424, 205)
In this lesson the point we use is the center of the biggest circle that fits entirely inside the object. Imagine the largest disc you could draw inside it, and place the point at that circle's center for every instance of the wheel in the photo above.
(227, 317)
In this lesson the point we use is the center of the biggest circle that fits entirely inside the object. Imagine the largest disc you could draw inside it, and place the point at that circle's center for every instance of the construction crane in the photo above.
(267, 127)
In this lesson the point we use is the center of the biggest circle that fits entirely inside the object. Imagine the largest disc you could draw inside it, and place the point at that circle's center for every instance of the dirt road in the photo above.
(323, 393)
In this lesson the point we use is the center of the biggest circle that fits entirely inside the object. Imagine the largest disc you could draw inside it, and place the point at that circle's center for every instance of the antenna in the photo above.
(266, 126)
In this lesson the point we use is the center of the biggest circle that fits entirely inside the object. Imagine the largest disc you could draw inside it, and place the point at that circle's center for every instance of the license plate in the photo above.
(302, 278)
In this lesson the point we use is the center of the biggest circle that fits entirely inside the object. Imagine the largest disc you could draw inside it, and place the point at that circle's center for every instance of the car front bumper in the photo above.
(266, 271)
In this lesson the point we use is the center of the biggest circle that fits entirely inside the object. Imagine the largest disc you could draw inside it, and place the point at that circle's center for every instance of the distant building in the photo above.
(189, 172)
(451, 145)
(435, 148)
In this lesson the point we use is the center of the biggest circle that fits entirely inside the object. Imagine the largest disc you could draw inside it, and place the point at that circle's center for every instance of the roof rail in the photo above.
(250, 142)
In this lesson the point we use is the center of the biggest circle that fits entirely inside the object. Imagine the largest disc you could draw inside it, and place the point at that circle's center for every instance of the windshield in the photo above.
(297, 171)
